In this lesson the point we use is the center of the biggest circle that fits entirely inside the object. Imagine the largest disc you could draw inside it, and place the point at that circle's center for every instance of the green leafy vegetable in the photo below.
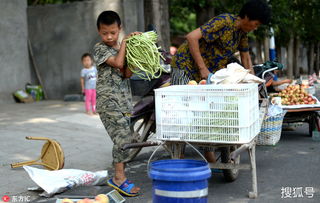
(142, 55)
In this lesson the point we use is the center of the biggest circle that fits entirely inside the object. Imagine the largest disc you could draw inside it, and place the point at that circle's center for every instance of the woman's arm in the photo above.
(193, 41)
(246, 61)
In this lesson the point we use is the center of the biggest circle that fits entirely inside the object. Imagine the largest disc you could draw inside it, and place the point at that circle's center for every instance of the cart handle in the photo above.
(264, 84)
(238, 151)
(148, 166)
(269, 70)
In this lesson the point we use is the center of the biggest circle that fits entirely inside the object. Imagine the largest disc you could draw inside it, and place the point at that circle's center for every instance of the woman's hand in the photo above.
(246, 61)
(204, 73)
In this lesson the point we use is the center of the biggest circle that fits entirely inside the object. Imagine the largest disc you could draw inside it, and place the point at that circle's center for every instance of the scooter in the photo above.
(142, 120)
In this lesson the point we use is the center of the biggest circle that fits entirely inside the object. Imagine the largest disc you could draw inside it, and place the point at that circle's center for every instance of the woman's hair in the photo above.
(256, 10)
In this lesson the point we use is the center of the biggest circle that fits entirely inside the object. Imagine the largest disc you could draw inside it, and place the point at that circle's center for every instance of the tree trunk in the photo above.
(311, 58)
(278, 54)
(266, 49)
(157, 14)
(203, 15)
(318, 59)
(296, 53)
(290, 58)
(259, 51)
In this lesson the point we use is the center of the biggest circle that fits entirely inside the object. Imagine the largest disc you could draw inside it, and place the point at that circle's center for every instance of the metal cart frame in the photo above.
(307, 115)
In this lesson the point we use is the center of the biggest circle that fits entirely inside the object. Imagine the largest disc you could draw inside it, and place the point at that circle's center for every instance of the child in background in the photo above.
(88, 83)
(278, 85)
(114, 96)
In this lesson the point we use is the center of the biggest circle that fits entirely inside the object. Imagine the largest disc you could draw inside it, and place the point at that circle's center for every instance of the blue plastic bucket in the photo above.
(180, 180)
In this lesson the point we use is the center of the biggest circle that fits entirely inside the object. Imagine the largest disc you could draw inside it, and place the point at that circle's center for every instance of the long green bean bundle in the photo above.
(142, 55)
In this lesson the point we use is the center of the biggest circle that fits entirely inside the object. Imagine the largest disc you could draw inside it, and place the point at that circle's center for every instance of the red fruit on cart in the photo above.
(203, 82)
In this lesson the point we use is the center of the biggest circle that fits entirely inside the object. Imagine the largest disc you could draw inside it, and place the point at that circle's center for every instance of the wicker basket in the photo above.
(271, 128)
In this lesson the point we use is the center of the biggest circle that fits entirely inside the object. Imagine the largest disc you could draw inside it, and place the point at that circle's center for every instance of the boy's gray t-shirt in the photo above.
(90, 77)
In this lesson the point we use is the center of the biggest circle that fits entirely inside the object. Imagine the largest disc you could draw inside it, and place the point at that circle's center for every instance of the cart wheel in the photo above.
(230, 175)
(138, 129)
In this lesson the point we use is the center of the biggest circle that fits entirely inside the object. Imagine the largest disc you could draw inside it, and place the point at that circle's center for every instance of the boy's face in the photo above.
(109, 33)
(87, 62)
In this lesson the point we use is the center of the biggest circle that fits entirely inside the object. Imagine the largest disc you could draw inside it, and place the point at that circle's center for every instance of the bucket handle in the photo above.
(162, 143)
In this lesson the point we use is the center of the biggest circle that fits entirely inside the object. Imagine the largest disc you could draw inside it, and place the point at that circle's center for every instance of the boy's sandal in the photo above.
(124, 188)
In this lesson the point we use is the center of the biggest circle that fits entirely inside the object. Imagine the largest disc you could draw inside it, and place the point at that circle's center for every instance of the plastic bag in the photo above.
(249, 78)
(61, 180)
(281, 87)
(234, 74)
(274, 110)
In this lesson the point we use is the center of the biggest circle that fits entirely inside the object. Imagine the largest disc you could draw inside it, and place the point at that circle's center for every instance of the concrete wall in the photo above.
(14, 60)
(60, 34)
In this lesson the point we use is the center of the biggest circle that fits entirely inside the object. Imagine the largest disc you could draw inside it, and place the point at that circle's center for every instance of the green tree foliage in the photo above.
(298, 18)
(287, 20)
(309, 19)
(182, 20)
(41, 2)
(183, 14)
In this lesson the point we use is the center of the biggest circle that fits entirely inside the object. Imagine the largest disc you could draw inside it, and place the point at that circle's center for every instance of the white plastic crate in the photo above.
(208, 113)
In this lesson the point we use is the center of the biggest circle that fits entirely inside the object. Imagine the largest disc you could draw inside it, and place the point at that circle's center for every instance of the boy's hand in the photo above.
(127, 73)
(132, 34)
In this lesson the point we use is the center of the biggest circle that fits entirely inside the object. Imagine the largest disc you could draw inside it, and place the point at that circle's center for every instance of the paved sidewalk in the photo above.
(82, 138)
(293, 163)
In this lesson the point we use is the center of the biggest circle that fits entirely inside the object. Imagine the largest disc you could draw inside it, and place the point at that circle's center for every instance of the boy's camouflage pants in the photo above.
(118, 128)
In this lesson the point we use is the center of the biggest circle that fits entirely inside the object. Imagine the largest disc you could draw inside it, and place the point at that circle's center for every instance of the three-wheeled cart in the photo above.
(225, 118)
